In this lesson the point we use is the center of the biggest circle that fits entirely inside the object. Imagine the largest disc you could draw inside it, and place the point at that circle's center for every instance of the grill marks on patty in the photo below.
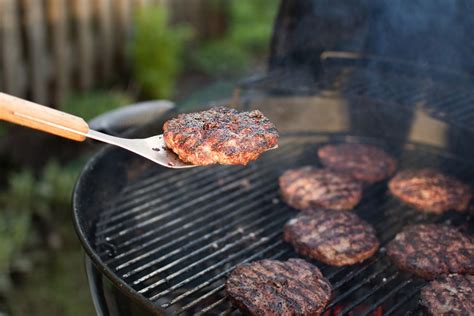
(449, 295)
(220, 135)
(429, 250)
(312, 187)
(362, 162)
(430, 191)
(271, 287)
(333, 237)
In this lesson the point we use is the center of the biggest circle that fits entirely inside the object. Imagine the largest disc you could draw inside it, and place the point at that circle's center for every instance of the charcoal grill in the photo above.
(163, 241)
(169, 238)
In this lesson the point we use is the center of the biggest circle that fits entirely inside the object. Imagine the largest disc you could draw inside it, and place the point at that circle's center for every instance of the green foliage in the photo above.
(247, 38)
(221, 57)
(56, 288)
(252, 23)
(156, 51)
(30, 195)
(26, 196)
(15, 217)
(14, 228)
(56, 184)
(91, 104)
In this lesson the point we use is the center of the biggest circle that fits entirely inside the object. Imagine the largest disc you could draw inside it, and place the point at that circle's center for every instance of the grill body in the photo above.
(162, 241)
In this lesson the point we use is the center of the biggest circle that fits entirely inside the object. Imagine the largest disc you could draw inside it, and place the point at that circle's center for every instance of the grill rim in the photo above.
(98, 263)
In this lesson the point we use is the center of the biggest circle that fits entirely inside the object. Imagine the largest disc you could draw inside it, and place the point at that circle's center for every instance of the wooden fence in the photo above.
(51, 47)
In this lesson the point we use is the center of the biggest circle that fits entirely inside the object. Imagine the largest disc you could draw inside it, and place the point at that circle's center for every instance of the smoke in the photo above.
(428, 32)
(433, 32)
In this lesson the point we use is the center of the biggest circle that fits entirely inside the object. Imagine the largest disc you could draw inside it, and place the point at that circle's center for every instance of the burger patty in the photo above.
(449, 295)
(220, 135)
(430, 191)
(333, 237)
(271, 287)
(362, 162)
(429, 250)
(311, 187)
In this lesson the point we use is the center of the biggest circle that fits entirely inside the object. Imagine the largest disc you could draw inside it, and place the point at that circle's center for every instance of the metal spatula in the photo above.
(29, 114)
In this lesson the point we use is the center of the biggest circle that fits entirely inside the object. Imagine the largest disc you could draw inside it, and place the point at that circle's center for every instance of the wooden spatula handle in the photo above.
(43, 118)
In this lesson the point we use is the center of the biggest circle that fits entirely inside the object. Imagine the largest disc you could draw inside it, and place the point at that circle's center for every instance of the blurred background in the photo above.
(88, 57)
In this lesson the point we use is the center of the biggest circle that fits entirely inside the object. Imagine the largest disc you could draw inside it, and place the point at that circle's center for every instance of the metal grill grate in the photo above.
(173, 236)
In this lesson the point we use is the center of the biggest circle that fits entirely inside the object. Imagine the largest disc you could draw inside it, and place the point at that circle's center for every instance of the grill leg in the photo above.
(95, 286)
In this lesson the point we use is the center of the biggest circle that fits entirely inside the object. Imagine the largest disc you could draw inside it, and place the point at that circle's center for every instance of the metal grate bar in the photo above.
(216, 290)
(227, 311)
(152, 181)
(167, 190)
(336, 271)
(195, 197)
(224, 273)
(170, 192)
(357, 286)
(139, 239)
(351, 275)
(396, 223)
(403, 301)
(127, 206)
(369, 293)
(208, 294)
(204, 259)
(131, 193)
(389, 294)
(207, 246)
(205, 237)
(157, 174)
(212, 306)
(217, 265)
(214, 254)
(207, 219)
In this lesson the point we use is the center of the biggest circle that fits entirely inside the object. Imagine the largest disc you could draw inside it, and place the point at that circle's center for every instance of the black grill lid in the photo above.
(433, 33)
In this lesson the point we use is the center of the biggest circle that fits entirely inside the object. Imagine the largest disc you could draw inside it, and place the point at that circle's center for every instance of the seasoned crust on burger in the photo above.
(272, 287)
(312, 187)
(333, 237)
(429, 250)
(449, 295)
(220, 135)
(361, 161)
(430, 190)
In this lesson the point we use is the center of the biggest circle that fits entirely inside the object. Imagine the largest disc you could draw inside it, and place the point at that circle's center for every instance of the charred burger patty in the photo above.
(430, 190)
(449, 295)
(362, 162)
(429, 250)
(312, 187)
(333, 237)
(220, 135)
(271, 287)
